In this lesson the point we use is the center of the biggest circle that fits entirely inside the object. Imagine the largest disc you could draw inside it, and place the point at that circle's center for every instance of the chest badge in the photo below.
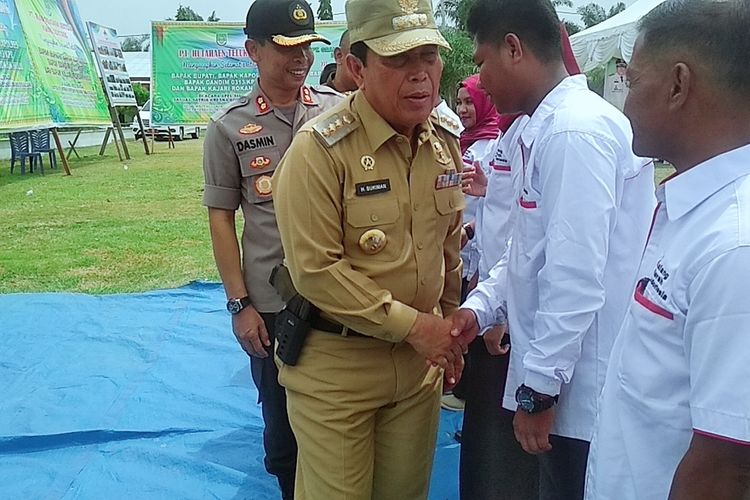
(251, 129)
(440, 154)
(260, 162)
(372, 241)
(368, 163)
(263, 185)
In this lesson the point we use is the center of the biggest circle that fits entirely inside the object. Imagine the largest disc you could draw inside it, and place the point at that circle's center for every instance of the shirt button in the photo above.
(451, 203)
(423, 281)
(416, 207)
(399, 139)
(374, 218)
(420, 246)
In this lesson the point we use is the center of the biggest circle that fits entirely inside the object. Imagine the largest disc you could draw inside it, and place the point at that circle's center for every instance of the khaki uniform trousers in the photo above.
(365, 414)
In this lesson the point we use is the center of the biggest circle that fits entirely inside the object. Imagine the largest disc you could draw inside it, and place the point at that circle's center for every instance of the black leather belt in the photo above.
(324, 325)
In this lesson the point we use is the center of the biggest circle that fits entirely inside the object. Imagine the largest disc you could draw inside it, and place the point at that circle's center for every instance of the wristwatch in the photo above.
(531, 401)
(234, 306)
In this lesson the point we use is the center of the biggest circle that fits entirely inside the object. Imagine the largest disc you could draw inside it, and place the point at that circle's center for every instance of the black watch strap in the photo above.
(234, 306)
(531, 401)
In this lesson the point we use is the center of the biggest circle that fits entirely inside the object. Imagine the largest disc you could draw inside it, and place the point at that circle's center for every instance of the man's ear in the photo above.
(356, 69)
(681, 85)
(513, 48)
(251, 46)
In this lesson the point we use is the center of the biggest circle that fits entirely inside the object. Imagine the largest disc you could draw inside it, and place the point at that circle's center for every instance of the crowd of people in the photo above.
(516, 252)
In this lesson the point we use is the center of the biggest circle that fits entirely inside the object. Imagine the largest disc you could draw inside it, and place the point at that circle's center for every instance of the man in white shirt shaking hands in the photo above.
(583, 203)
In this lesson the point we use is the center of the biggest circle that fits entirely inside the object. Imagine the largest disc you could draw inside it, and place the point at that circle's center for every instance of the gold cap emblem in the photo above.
(263, 185)
(372, 241)
(299, 14)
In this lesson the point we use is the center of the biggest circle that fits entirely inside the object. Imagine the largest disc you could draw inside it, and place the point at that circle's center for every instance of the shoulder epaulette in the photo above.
(325, 89)
(237, 103)
(445, 121)
(335, 127)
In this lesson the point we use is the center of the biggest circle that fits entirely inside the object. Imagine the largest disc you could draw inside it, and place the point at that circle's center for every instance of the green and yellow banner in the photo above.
(47, 73)
(197, 68)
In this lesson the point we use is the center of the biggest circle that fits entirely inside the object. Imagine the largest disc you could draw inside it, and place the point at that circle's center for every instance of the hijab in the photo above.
(487, 125)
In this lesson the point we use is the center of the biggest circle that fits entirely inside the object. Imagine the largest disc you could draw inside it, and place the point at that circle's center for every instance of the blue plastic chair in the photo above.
(40, 144)
(19, 150)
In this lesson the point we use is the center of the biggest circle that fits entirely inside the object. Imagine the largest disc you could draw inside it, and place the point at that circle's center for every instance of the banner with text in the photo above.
(198, 67)
(108, 52)
(47, 74)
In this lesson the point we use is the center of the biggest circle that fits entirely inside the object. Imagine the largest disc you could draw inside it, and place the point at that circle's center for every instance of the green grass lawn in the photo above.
(106, 228)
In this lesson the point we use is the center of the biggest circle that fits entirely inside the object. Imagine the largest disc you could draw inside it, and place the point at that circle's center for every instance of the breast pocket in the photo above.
(373, 230)
(447, 203)
(257, 169)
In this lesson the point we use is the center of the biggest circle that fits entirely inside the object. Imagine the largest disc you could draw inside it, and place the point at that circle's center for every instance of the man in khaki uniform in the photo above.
(244, 144)
(368, 201)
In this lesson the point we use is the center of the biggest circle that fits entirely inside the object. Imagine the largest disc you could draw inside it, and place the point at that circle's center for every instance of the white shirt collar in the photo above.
(548, 105)
(685, 191)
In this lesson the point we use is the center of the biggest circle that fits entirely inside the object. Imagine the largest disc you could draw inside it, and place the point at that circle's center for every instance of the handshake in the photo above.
(443, 342)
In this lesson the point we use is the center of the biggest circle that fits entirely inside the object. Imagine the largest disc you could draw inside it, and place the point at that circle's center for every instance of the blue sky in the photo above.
(134, 16)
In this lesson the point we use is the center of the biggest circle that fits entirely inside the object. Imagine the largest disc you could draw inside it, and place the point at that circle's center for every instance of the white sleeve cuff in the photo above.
(542, 383)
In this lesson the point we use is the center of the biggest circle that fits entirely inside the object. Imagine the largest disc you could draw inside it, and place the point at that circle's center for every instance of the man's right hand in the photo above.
(464, 325)
(431, 337)
(251, 332)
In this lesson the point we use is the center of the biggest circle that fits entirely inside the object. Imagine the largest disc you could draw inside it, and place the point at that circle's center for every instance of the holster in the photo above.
(293, 322)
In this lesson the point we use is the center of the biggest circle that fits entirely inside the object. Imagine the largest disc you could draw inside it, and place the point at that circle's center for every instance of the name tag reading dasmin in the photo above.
(374, 187)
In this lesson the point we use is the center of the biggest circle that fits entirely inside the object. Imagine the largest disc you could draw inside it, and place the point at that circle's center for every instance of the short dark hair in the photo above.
(716, 32)
(535, 22)
(359, 50)
(260, 41)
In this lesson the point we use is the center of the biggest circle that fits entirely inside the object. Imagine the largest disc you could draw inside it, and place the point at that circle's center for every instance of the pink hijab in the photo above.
(487, 125)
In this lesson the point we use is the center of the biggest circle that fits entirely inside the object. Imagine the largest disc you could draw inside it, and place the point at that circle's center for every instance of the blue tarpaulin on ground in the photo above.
(138, 396)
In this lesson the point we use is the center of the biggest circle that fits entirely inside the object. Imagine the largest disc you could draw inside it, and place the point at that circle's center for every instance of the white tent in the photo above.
(615, 37)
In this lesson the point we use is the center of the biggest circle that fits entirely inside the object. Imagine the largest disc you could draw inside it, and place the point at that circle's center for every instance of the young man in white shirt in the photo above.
(583, 206)
(674, 417)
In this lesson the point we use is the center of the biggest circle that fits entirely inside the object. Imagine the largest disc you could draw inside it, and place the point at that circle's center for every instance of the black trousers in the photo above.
(278, 440)
(563, 469)
(493, 464)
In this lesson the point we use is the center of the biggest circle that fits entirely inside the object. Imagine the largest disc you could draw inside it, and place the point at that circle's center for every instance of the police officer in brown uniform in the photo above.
(243, 146)
(368, 201)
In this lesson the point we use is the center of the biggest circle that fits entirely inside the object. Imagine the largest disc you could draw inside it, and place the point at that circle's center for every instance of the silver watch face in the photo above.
(234, 306)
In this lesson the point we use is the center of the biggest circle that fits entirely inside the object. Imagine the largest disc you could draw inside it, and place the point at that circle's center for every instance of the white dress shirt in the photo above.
(480, 152)
(579, 225)
(493, 219)
(680, 363)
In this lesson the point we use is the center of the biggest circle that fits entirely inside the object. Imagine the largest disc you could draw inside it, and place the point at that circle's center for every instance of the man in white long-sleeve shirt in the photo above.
(579, 224)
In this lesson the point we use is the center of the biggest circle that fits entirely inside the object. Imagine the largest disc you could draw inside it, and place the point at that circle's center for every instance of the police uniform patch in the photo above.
(261, 104)
(263, 185)
(372, 241)
(306, 96)
(260, 162)
(251, 129)
(265, 141)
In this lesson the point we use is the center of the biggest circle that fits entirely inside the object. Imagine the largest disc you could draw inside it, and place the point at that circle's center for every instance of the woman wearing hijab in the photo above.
(481, 127)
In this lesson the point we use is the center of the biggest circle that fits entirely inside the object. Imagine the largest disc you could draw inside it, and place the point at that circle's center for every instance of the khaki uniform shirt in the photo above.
(243, 146)
(372, 231)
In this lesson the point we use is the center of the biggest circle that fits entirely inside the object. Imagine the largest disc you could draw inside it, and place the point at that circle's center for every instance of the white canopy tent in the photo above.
(615, 37)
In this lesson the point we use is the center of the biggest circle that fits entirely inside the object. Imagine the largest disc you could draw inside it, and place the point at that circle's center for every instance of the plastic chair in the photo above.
(40, 144)
(19, 150)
